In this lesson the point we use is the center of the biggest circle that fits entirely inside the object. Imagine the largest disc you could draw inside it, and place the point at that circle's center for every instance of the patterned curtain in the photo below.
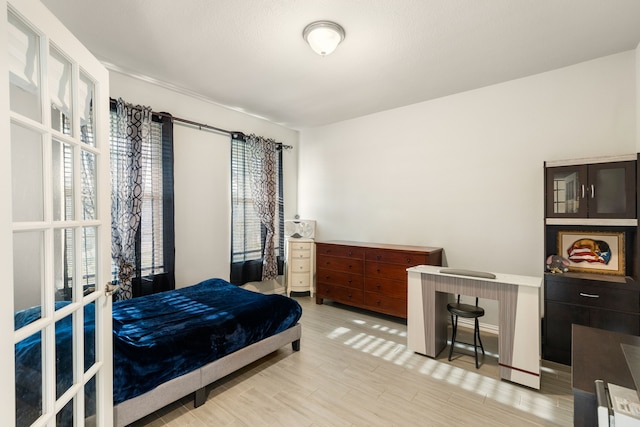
(263, 154)
(133, 130)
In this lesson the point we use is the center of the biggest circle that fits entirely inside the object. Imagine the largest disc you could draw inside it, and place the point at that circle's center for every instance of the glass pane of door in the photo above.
(609, 191)
(64, 267)
(29, 379)
(63, 185)
(28, 271)
(27, 175)
(60, 92)
(24, 69)
(86, 101)
(566, 192)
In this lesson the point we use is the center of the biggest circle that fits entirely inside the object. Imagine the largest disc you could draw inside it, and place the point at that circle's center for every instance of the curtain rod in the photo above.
(213, 128)
(205, 126)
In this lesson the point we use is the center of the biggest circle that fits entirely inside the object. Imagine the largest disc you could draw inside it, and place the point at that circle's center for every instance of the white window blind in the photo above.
(151, 231)
(247, 230)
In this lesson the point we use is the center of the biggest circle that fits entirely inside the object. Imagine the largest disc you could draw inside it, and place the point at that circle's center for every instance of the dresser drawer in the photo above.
(340, 294)
(389, 287)
(386, 271)
(406, 259)
(594, 295)
(300, 280)
(300, 265)
(339, 278)
(340, 251)
(299, 246)
(300, 254)
(384, 304)
(348, 265)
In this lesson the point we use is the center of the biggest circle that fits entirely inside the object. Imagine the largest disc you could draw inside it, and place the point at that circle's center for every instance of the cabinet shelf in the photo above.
(606, 222)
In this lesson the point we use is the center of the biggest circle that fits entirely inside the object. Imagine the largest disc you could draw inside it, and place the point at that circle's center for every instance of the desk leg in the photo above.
(440, 317)
(519, 336)
(426, 316)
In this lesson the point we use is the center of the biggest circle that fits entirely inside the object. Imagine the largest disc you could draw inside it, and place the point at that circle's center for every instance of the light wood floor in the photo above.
(354, 369)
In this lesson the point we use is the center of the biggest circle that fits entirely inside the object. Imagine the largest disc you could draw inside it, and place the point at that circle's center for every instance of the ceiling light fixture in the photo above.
(323, 36)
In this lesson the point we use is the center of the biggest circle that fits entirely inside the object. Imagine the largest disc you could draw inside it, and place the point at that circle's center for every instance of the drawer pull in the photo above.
(408, 260)
(582, 294)
(378, 257)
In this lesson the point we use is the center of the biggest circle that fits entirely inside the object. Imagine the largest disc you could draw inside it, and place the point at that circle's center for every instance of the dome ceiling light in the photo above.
(323, 36)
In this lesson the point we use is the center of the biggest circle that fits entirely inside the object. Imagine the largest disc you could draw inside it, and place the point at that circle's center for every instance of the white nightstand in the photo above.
(299, 268)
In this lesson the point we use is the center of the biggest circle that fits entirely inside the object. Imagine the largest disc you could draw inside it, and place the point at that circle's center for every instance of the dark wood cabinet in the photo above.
(590, 196)
(369, 275)
(597, 190)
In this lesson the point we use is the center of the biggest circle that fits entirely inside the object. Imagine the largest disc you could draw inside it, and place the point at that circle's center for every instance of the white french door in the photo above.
(55, 225)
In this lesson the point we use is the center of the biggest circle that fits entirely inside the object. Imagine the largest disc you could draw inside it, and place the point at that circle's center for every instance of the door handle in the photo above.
(110, 289)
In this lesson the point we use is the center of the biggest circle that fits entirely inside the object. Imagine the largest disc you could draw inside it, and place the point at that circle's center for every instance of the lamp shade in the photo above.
(323, 36)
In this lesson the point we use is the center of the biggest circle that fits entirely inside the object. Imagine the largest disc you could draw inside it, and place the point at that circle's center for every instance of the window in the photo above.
(247, 232)
(155, 257)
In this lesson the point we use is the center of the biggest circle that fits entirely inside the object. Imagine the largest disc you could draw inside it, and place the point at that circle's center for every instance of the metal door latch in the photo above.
(110, 288)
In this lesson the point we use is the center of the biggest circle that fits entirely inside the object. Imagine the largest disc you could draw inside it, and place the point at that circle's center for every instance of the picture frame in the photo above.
(593, 251)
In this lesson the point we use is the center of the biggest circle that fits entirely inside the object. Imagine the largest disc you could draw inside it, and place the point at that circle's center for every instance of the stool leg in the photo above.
(478, 331)
(454, 328)
(475, 346)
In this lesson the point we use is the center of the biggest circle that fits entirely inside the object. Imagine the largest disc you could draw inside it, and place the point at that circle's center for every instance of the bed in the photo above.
(217, 328)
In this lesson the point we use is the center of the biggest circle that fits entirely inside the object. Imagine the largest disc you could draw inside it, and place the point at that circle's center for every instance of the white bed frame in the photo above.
(195, 381)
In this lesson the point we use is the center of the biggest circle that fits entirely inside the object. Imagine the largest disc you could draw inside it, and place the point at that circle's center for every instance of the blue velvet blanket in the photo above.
(162, 336)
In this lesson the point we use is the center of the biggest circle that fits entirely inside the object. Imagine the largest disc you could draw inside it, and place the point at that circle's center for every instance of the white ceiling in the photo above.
(249, 54)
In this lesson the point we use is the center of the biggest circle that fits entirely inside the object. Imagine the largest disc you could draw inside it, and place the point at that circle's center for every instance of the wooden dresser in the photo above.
(369, 275)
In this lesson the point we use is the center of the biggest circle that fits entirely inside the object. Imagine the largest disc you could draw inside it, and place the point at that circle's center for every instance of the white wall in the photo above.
(465, 172)
(202, 174)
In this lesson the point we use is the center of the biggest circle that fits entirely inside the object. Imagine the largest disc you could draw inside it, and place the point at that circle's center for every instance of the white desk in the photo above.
(519, 317)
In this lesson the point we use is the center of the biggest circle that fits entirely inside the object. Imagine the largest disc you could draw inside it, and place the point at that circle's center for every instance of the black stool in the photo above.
(467, 311)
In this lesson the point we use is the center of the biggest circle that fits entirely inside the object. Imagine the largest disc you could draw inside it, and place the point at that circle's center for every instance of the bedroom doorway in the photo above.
(55, 166)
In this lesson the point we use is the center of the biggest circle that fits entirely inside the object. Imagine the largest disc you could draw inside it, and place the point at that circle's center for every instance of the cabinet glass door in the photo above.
(566, 191)
(611, 190)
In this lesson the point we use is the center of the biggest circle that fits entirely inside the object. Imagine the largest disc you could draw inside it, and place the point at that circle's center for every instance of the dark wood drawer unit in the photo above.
(369, 275)
(610, 305)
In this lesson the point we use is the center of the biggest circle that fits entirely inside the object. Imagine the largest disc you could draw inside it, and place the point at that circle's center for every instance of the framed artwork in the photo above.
(593, 251)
